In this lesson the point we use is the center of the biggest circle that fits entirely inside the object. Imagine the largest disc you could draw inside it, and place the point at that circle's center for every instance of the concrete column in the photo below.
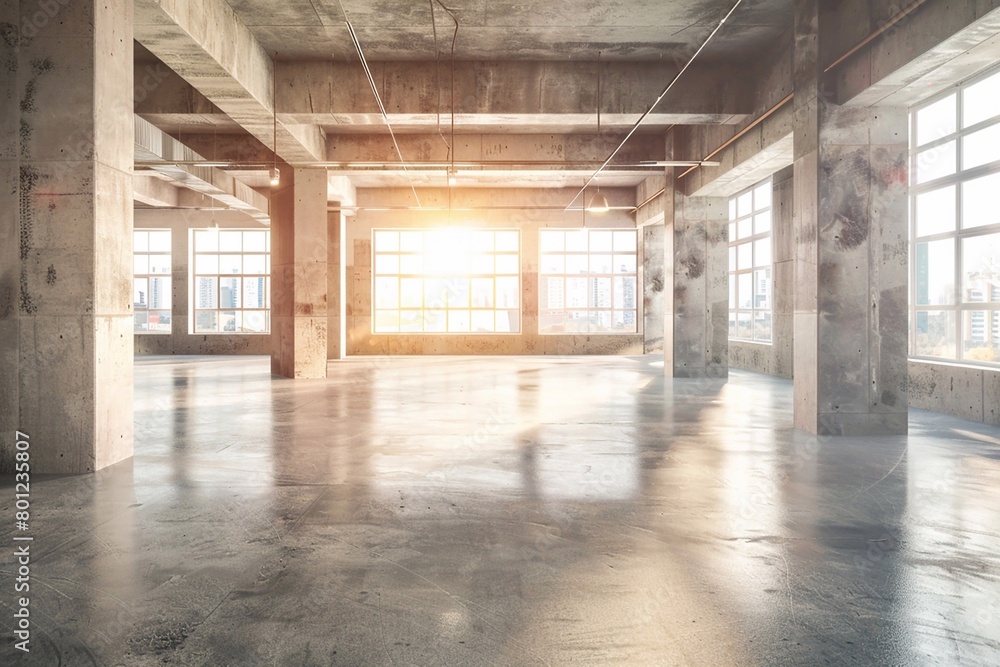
(66, 232)
(850, 179)
(696, 298)
(299, 274)
(653, 315)
(336, 321)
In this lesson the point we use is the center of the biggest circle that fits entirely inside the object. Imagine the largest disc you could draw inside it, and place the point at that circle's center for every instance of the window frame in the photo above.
(148, 276)
(195, 275)
(960, 308)
(733, 272)
(446, 308)
(543, 274)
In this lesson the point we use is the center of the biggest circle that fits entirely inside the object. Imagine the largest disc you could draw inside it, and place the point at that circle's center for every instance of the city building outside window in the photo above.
(955, 224)
(151, 281)
(588, 281)
(448, 280)
(231, 284)
(750, 264)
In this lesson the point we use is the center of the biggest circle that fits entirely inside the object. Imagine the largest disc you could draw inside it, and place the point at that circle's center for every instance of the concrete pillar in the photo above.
(850, 179)
(696, 297)
(336, 320)
(653, 315)
(299, 274)
(66, 232)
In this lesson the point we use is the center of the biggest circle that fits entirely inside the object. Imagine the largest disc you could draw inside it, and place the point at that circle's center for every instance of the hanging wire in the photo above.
(655, 103)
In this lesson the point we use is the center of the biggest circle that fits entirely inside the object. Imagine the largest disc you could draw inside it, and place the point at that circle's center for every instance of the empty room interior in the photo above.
(500, 332)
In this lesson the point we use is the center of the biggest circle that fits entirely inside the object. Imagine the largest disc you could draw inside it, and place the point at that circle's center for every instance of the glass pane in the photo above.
(934, 271)
(159, 241)
(745, 290)
(762, 289)
(411, 241)
(625, 292)
(231, 321)
(981, 147)
(229, 293)
(979, 101)
(140, 264)
(600, 242)
(412, 265)
(600, 321)
(482, 264)
(762, 196)
(411, 291)
(254, 241)
(158, 321)
(762, 327)
(937, 120)
(140, 321)
(553, 264)
(255, 264)
(206, 240)
(482, 292)
(140, 241)
(732, 324)
(625, 264)
(979, 201)
(435, 321)
(458, 292)
(387, 242)
(732, 258)
(732, 292)
(601, 292)
(229, 264)
(732, 231)
(744, 326)
(762, 252)
(481, 241)
(624, 241)
(936, 211)
(624, 321)
(553, 293)
(140, 293)
(981, 269)
(507, 242)
(386, 293)
(254, 293)
(732, 208)
(935, 334)
(577, 264)
(744, 204)
(577, 241)
(762, 222)
(386, 321)
(744, 256)
(206, 321)
(386, 264)
(159, 264)
(206, 264)
(231, 241)
(458, 321)
(411, 321)
(482, 321)
(936, 162)
(508, 294)
(507, 264)
(255, 321)
(207, 294)
(744, 228)
(979, 342)
(576, 292)
(159, 293)
(600, 264)
(436, 293)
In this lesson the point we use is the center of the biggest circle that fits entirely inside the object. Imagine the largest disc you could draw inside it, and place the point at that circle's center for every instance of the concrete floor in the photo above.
(510, 511)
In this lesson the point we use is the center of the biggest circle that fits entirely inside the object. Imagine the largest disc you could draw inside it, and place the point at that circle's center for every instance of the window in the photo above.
(151, 285)
(750, 268)
(955, 224)
(587, 281)
(446, 281)
(231, 290)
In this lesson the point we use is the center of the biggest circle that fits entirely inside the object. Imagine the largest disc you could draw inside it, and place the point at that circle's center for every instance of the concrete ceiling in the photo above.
(632, 30)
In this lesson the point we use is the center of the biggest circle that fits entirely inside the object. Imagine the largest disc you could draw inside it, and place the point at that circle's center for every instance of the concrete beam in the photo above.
(207, 44)
(545, 94)
(154, 145)
(154, 191)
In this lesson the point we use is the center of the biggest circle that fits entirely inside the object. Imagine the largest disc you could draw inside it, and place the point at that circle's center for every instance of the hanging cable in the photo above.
(655, 103)
(378, 100)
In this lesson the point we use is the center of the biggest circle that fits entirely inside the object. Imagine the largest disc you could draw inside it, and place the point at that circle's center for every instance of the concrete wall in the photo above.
(179, 341)
(776, 358)
(542, 208)
(968, 392)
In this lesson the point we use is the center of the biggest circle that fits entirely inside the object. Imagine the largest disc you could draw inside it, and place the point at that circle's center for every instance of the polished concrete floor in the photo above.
(510, 511)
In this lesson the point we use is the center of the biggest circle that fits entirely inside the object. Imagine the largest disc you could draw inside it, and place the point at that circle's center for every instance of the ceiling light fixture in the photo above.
(656, 102)
(275, 176)
(598, 204)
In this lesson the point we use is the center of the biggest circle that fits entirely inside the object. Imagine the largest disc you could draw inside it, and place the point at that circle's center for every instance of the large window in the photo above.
(232, 284)
(955, 224)
(750, 269)
(587, 281)
(447, 281)
(151, 285)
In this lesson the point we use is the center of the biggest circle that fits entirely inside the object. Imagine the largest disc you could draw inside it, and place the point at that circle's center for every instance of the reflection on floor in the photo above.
(511, 511)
